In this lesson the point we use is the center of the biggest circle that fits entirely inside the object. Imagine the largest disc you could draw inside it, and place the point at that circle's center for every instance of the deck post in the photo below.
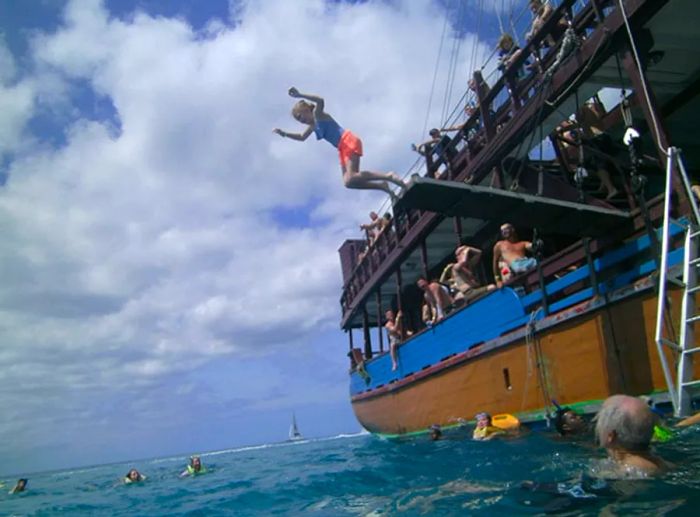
(540, 274)
(591, 266)
(399, 288)
(379, 320)
(424, 258)
(486, 118)
(352, 345)
(458, 229)
(365, 333)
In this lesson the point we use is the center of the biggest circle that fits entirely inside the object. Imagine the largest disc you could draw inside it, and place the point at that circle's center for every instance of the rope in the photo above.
(638, 62)
(529, 340)
(456, 46)
(573, 82)
(435, 72)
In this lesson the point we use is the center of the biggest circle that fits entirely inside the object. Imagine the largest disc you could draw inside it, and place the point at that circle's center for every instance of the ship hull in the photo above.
(579, 360)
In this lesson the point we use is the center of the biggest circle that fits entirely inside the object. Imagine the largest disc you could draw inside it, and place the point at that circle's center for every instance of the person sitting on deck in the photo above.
(394, 329)
(427, 313)
(513, 252)
(461, 277)
(349, 146)
(484, 429)
(624, 427)
(437, 296)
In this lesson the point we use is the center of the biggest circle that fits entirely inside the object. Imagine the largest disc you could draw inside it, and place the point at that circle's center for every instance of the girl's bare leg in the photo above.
(353, 167)
(355, 182)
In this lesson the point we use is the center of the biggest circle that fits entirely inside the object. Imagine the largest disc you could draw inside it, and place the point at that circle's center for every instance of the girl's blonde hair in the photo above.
(299, 107)
(505, 39)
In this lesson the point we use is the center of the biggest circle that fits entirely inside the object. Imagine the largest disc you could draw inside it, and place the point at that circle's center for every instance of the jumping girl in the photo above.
(349, 146)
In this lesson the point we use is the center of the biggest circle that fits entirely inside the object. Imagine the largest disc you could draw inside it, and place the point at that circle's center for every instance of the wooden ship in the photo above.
(610, 306)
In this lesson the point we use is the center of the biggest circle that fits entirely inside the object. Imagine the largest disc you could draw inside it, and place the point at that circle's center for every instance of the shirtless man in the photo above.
(374, 227)
(513, 252)
(624, 427)
(436, 296)
(394, 328)
(463, 276)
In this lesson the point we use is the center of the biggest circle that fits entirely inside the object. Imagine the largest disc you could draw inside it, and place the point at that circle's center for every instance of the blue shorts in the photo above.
(522, 264)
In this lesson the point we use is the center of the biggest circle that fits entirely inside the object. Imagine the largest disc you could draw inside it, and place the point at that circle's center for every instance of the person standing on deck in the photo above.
(394, 329)
(513, 252)
(313, 114)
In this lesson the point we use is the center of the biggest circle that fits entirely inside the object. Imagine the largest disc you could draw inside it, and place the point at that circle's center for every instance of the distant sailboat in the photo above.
(294, 434)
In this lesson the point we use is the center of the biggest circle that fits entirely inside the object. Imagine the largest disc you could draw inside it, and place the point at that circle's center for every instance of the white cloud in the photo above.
(148, 251)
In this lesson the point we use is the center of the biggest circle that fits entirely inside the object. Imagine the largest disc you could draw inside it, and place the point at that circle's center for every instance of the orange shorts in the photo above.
(348, 145)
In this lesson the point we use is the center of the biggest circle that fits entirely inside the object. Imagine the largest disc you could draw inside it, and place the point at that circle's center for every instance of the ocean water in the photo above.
(367, 475)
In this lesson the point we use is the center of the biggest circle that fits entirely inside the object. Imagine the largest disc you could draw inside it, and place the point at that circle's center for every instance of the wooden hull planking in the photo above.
(584, 359)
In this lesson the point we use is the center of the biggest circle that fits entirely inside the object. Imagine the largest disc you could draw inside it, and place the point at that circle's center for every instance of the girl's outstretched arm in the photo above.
(294, 136)
(318, 101)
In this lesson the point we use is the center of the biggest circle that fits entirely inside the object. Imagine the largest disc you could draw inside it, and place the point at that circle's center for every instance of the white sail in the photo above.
(294, 433)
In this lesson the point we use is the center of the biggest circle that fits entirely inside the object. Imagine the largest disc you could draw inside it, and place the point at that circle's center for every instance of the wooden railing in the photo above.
(479, 130)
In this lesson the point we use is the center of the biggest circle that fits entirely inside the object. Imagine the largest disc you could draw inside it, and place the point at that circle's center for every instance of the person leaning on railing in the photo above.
(541, 10)
(373, 227)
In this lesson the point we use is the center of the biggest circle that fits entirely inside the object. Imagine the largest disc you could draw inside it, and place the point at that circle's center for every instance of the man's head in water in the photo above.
(625, 423)
(625, 426)
(196, 463)
(435, 432)
(567, 422)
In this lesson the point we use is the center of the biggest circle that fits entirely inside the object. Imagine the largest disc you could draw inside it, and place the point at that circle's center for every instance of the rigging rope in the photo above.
(638, 62)
(435, 72)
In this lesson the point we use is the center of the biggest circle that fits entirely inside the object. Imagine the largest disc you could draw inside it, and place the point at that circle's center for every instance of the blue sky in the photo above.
(170, 280)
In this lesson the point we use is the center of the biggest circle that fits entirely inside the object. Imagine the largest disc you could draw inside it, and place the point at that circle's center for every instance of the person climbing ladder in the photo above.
(349, 146)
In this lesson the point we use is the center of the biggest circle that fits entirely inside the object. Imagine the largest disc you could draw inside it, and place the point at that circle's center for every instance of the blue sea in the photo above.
(372, 476)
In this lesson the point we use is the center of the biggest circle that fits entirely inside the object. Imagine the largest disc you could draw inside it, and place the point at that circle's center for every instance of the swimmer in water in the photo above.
(311, 111)
(484, 429)
(194, 468)
(20, 486)
(133, 476)
(569, 423)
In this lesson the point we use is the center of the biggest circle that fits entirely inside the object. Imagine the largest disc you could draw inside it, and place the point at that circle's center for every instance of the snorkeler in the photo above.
(569, 423)
(484, 429)
(133, 476)
(20, 486)
(349, 146)
(195, 467)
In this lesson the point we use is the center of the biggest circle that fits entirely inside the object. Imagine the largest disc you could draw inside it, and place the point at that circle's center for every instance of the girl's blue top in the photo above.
(329, 130)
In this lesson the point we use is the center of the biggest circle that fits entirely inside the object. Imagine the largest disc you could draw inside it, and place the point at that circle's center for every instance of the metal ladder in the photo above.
(678, 387)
